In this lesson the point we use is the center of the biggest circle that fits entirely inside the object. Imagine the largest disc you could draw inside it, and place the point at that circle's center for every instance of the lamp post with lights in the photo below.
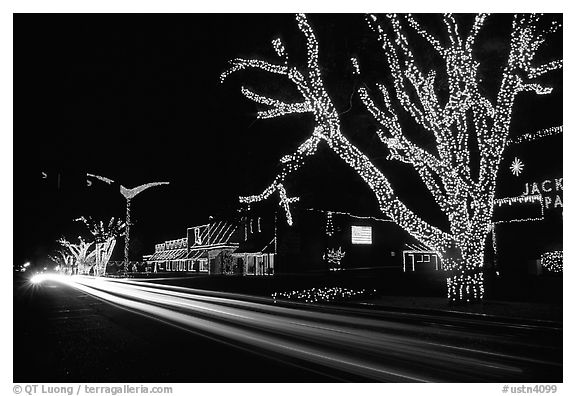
(129, 194)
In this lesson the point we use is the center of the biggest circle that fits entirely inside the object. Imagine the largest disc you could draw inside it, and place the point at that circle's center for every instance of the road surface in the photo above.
(86, 329)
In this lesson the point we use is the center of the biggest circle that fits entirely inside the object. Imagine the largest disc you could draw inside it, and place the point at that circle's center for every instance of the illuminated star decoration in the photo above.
(517, 167)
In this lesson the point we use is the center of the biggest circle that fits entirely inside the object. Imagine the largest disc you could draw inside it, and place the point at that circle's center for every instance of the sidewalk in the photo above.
(506, 309)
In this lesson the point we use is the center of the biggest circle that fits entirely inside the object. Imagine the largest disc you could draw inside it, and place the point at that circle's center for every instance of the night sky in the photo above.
(137, 98)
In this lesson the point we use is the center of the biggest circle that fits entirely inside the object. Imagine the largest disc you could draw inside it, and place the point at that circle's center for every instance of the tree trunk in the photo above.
(465, 281)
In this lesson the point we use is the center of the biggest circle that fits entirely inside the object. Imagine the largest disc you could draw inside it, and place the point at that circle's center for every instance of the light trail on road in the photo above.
(374, 349)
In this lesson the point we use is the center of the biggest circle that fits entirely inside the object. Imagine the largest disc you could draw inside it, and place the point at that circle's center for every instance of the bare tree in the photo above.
(466, 199)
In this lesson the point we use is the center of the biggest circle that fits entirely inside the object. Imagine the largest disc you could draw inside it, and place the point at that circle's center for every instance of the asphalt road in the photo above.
(97, 330)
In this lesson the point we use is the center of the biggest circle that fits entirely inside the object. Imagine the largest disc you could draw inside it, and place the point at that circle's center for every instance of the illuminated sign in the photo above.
(361, 235)
(551, 191)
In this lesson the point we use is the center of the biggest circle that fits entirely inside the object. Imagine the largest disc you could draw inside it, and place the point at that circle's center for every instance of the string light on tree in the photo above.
(355, 66)
(105, 236)
(467, 115)
(64, 260)
(80, 256)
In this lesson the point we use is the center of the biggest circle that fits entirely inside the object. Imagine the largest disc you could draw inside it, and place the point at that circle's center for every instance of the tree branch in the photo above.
(452, 28)
(279, 108)
(241, 64)
(423, 33)
(478, 23)
(535, 72)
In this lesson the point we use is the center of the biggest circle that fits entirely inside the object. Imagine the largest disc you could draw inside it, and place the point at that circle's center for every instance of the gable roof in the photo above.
(175, 254)
(216, 233)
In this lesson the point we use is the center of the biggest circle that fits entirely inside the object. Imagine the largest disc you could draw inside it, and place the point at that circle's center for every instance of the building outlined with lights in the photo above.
(259, 242)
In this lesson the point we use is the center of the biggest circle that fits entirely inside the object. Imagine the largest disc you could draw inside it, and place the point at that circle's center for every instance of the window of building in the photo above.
(250, 264)
(270, 264)
(203, 265)
(259, 265)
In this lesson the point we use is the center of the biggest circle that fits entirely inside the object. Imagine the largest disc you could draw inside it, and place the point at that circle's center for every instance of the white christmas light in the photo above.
(521, 199)
(350, 215)
(529, 137)
(105, 240)
(323, 295)
(79, 254)
(355, 66)
(334, 258)
(466, 200)
(329, 224)
(129, 194)
(553, 261)
(280, 49)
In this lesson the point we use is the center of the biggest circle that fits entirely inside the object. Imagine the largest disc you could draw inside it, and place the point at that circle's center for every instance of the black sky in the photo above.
(137, 98)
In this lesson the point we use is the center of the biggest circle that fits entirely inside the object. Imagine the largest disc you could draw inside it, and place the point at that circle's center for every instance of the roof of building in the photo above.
(417, 248)
(196, 254)
(211, 236)
(175, 254)
(216, 233)
(258, 247)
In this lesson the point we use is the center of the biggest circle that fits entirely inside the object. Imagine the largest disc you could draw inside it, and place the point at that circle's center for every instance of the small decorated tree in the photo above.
(82, 258)
(64, 259)
(105, 236)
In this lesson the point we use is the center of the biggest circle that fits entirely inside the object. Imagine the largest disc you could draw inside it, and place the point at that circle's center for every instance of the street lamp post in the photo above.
(129, 194)
(127, 234)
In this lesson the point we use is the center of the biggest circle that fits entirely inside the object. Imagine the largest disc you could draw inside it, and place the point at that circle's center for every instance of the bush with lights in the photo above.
(323, 294)
(553, 261)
